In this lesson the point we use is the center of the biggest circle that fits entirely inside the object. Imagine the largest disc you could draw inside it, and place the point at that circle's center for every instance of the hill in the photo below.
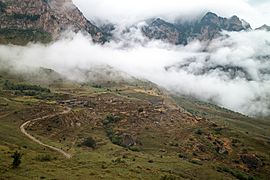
(124, 130)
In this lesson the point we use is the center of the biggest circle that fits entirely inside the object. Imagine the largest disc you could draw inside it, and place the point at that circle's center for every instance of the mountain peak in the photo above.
(210, 17)
(210, 14)
(208, 27)
(234, 18)
(264, 27)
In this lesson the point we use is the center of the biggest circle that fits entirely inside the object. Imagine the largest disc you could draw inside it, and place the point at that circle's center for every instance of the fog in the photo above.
(128, 12)
(232, 72)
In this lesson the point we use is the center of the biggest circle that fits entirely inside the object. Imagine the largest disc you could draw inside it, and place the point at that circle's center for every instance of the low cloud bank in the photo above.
(131, 11)
(232, 72)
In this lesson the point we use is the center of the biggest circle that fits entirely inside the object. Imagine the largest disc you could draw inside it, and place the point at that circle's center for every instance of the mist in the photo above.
(232, 72)
(129, 12)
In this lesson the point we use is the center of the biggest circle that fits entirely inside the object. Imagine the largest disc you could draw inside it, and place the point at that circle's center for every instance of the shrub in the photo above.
(44, 158)
(116, 140)
(199, 132)
(26, 17)
(181, 155)
(110, 119)
(89, 142)
(109, 132)
(24, 87)
(108, 122)
(140, 110)
(2, 6)
(28, 90)
(16, 159)
(135, 148)
(97, 86)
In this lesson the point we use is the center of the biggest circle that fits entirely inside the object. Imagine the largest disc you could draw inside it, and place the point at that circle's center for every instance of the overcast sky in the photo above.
(256, 12)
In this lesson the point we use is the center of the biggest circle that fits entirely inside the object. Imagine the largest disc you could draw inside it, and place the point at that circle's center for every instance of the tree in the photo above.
(17, 156)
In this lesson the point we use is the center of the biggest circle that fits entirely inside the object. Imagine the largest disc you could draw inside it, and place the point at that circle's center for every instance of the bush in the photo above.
(28, 90)
(135, 148)
(44, 158)
(89, 142)
(26, 17)
(16, 159)
(97, 86)
(24, 87)
(140, 110)
(108, 122)
(183, 156)
(199, 132)
(117, 140)
(109, 132)
(2, 6)
(110, 119)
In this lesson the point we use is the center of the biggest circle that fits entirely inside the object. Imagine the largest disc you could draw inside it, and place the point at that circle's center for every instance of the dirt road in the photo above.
(31, 122)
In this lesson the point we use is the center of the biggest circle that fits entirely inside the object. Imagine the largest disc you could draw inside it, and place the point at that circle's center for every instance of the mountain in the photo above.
(208, 27)
(264, 27)
(162, 30)
(42, 20)
(45, 20)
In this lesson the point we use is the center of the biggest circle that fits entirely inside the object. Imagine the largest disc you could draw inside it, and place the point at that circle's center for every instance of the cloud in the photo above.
(128, 12)
(232, 72)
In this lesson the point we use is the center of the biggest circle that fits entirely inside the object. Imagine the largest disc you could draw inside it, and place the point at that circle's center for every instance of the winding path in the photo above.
(31, 122)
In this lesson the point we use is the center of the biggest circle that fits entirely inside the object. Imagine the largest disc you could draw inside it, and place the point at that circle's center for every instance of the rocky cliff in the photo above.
(42, 20)
(208, 27)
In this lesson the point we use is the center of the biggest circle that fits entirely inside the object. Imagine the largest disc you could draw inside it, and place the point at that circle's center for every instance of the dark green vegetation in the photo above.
(89, 142)
(120, 131)
(2, 6)
(26, 17)
(23, 87)
(16, 159)
(22, 37)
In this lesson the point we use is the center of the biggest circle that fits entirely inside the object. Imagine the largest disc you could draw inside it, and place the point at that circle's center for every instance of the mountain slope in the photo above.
(208, 27)
(135, 131)
(264, 27)
(42, 20)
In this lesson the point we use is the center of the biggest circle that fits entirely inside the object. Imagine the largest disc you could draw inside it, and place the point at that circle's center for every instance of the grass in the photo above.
(170, 145)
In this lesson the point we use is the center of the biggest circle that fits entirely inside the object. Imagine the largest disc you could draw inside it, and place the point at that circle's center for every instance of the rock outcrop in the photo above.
(208, 27)
(42, 20)
(162, 30)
